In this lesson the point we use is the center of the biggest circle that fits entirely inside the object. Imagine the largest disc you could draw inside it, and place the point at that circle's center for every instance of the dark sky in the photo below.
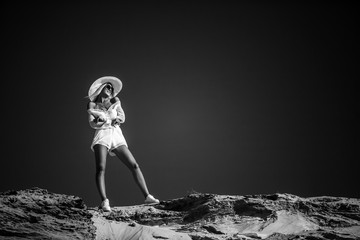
(244, 98)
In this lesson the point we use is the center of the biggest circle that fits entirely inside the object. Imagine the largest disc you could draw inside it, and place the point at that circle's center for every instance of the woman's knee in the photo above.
(100, 168)
(135, 166)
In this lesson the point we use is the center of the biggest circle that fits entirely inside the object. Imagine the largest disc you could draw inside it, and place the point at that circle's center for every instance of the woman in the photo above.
(106, 115)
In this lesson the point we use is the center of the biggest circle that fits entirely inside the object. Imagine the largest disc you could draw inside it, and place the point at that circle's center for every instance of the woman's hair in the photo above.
(103, 87)
(112, 98)
(97, 98)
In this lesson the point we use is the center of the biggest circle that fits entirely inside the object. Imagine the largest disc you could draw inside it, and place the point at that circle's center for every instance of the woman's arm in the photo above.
(120, 111)
(95, 121)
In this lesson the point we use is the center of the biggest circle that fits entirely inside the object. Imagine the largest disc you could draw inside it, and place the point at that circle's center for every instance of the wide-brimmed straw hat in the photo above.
(97, 86)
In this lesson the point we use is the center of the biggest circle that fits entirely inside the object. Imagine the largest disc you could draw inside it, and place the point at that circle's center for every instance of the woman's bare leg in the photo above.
(100, 160)
(124, 154)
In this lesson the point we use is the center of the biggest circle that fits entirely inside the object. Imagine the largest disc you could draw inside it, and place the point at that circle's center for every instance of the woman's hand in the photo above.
(99, 120)
(116, 122)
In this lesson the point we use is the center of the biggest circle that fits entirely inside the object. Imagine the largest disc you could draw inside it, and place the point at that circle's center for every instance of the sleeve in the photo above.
(120, 113)
(97, 119)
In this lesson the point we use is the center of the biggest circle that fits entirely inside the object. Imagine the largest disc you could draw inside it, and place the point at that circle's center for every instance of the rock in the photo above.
(38, 214)
(212, 229)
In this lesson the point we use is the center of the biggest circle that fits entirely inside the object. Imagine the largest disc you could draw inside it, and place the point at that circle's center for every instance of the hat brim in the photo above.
(114, 81)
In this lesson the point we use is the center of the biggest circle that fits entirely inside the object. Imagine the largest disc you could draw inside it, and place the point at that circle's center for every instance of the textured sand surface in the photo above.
(38, 214)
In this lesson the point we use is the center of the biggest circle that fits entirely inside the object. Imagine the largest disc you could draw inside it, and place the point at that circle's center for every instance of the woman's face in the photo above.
(108, 90)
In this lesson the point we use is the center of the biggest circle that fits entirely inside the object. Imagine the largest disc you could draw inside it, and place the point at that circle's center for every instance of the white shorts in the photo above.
(111, 138)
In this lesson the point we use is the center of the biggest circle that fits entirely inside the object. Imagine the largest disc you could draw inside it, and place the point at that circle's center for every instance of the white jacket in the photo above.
(98, 115)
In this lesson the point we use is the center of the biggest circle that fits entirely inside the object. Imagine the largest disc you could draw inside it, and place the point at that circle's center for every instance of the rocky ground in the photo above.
(39, 214)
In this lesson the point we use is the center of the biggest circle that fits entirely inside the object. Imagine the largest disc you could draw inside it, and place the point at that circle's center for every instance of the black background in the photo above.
(226, 98)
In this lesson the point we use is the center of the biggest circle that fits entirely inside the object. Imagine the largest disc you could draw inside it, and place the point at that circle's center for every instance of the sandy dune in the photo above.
(38, 214)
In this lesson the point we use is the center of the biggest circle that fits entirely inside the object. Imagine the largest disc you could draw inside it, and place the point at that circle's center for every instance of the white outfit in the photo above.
(106, 134)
